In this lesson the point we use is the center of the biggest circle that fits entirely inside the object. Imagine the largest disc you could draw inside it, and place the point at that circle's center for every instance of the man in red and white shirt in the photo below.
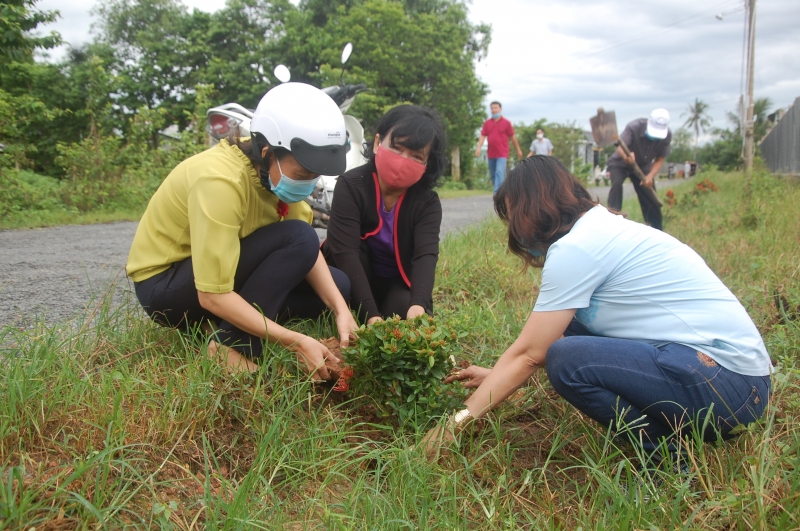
(498, 130)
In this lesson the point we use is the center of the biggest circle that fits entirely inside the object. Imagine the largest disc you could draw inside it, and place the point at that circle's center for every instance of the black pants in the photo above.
(651, 211)
(392, 295)
(273, 263)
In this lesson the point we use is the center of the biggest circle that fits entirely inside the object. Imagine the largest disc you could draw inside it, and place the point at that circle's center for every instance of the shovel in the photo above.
(604, 130)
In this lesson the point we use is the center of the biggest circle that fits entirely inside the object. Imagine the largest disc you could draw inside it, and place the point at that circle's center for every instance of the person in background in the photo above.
(226, 244)
(648, 140)
(385, 218)
(687, 170)
(541, 145)
(631, 325)
(498, 130)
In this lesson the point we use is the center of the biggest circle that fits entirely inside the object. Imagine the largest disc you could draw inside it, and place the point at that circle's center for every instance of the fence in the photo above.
(781, 147)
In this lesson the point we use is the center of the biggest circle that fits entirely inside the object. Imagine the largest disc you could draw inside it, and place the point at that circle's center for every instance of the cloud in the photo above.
(561, 60)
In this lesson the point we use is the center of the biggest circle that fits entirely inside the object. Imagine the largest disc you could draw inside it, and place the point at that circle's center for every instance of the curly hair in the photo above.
(540, 201)
(415, 128)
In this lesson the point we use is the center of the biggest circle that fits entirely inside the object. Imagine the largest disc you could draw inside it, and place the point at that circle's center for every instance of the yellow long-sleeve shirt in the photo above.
(202, 209)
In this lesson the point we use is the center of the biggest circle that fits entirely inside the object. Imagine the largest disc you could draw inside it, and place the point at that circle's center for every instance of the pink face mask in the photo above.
(396, 170)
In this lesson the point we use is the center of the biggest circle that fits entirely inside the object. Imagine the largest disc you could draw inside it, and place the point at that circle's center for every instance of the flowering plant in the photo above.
(402, 365)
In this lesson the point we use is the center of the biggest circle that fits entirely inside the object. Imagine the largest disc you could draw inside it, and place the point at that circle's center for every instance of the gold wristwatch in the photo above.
(460, 419)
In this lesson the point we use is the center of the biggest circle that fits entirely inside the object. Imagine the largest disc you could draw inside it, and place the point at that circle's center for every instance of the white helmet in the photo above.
(305, 121)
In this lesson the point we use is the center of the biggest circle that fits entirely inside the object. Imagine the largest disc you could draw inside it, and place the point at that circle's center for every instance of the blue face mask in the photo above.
(292, 190)
(496, 116)
(533, 252)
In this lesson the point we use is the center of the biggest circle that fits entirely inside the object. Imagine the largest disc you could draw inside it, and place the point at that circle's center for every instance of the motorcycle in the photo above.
(224, 118)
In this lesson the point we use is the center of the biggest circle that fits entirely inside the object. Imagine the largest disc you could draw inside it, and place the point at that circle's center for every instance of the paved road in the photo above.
(59, 272)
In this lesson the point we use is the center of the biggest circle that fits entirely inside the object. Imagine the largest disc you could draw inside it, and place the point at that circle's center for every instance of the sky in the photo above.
(562, 60)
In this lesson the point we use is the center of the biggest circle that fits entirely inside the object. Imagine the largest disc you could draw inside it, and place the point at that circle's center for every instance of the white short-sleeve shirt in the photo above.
(630, 281)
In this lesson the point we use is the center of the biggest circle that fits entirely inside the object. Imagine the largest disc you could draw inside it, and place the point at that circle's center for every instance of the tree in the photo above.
(22, 114)
(425, 55)
(761, 108)
(564, 136)
(697, 119)
(17, 20)
(681, 147)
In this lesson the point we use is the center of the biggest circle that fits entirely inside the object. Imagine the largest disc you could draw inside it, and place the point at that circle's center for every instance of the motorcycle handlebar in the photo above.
(340, 94)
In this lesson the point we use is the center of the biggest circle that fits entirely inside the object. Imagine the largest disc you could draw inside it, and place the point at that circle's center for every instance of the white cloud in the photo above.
(561, 60)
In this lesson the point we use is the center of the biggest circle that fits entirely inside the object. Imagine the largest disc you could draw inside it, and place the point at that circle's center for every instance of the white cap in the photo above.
(307, 122)
(658, 124)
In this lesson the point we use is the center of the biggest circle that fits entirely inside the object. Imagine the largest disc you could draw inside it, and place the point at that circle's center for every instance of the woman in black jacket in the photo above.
(385, 219)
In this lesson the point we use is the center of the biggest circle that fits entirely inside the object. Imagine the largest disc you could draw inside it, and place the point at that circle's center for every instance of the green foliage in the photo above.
(477, 175)
(18, 19)
(681, 147)
(697, 119)
(725, 152)
(401, 364)
(564, 136)
(424, 54)
(25, 191)
(113, 422)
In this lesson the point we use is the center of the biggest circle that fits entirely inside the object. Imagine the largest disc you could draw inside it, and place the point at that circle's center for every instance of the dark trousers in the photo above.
(273, 263)
(652, 393)
(651, 211)
(392, 295)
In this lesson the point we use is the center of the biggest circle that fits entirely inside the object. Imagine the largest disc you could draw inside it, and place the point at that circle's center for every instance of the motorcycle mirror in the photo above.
(348, 49)
(282, 73)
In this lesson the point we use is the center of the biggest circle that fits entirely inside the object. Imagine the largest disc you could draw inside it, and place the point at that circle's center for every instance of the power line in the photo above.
(649, 34)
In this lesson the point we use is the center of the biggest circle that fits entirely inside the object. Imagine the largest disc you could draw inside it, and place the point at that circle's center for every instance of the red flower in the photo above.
(344, 380)
(283, 210)
(670, 193)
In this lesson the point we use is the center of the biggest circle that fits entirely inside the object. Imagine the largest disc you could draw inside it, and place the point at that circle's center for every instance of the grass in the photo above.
(453, 194)
(53, 218)
(112, 422)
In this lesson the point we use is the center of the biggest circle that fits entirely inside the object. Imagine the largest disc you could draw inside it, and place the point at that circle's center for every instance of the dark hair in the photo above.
(540, 129)
(540, 201)
(415, 128)
(246, 146)
(496, 103)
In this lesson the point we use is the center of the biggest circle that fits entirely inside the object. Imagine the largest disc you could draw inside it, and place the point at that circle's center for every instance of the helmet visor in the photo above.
(324, 160)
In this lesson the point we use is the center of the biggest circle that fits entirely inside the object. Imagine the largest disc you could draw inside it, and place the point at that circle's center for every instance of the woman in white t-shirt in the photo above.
(631, 325)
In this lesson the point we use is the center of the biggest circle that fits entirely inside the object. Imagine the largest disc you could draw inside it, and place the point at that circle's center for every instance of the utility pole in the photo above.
(749, 144)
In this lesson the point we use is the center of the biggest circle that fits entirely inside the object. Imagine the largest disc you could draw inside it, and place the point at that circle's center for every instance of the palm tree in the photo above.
(698, 119)
(761, 108)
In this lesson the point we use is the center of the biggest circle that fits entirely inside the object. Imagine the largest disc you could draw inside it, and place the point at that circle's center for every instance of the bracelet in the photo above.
(460, 419)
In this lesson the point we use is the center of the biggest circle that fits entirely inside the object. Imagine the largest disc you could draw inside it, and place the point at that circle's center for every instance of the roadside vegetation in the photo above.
(112, 422)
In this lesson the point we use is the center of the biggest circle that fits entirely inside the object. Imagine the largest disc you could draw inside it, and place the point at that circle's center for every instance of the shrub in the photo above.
(27, 191)
(401, 364)
(477, 176)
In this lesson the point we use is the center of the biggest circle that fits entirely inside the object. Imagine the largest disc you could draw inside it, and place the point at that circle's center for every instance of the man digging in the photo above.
(648, 140)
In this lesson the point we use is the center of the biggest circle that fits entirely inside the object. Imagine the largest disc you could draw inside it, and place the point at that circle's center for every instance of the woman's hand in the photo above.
(346, 326)
(373, 320)
(313, 354)
(435, 438)
(472, 376)
(415, 311)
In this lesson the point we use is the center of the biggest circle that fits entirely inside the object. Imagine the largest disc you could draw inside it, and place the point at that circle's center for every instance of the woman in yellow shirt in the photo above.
(226, 240)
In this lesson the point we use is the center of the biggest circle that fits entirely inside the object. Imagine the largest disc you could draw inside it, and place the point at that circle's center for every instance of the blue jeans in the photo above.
(497, 171)
(652, 393)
